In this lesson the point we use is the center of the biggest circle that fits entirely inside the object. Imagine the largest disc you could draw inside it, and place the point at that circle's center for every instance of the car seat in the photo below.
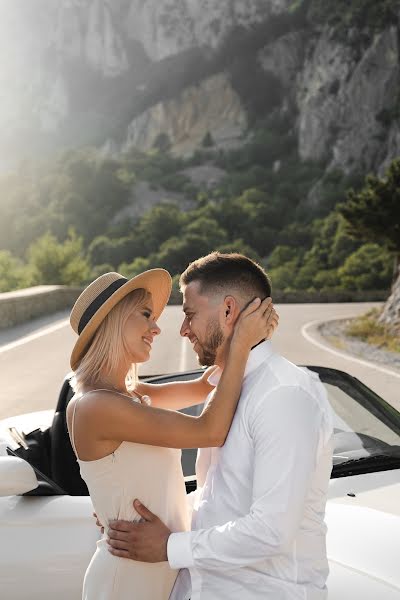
(64, 466)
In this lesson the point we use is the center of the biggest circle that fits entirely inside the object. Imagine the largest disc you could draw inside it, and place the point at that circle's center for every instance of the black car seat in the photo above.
(64, 466)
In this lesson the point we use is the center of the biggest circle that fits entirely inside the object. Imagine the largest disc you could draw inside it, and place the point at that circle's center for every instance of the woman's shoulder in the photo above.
(99, 400)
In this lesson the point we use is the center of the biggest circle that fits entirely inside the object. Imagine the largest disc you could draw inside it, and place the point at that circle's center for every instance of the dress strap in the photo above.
(140, 398)
(114, 392)
(73, 426)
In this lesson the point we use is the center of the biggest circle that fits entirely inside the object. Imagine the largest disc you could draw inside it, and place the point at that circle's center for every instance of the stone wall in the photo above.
(23, 305)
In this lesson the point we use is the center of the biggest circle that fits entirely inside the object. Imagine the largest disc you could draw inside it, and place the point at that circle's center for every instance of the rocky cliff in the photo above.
(127, 73)
(391, 311)
(123, 72)
(343, 99)
(212, 106)
(74, 71)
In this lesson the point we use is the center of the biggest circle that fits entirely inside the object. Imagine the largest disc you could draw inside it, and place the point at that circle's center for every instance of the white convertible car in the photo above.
(48, 534)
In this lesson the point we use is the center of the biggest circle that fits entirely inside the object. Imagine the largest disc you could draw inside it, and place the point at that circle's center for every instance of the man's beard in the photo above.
(208, 351)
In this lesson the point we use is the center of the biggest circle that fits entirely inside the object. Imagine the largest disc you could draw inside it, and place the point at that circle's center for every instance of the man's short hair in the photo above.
(228, 273)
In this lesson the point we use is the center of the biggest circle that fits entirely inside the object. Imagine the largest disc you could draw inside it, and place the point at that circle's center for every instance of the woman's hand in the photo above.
(256, 322)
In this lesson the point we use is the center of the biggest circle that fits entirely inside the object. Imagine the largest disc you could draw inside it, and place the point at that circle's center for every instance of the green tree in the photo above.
(327, 279)
(53, 262)
(367, 268)
(207, 228)
(112, 250)
(315, 267)
(282, 278)
(281, 255)
(373, 213)
(162, 143)
(22, 211)
(176, 253)
(241, 247)
(207, 140)
(98, 270)
(159, 224)
(13, 273)
(306, 273)
(138, 265)
(96, 189)
(296, 235)
(332, 244)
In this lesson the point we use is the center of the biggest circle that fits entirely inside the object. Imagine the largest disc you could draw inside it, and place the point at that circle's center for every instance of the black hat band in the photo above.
(98, 302)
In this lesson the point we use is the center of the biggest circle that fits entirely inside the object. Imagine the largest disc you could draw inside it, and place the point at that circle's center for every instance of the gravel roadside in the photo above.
(334, 333)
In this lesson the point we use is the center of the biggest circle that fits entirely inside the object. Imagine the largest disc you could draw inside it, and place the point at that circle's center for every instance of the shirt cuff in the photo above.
(179, 550)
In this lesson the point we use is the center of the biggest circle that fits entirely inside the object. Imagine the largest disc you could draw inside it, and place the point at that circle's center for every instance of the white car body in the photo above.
(363, 542)
(47, 541)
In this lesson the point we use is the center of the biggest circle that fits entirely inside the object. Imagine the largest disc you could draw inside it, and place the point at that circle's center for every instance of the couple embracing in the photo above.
(254, 528)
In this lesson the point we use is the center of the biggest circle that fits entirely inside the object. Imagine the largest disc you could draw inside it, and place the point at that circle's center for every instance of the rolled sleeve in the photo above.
(179, 550)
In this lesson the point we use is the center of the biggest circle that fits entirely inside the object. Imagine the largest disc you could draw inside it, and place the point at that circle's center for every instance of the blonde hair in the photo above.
(108, 349)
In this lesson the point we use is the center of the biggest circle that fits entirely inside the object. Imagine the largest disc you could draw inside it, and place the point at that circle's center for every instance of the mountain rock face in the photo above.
(285, 58)
(99, 72)
(124, 73)
(71, 69)
(165, 27)
(341, 101)
(213, 106)
(391, 311)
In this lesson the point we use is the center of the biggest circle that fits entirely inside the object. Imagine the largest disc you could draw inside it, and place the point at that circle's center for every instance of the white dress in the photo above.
(154, 476)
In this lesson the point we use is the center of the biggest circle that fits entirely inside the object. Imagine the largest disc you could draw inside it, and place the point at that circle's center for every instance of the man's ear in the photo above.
(231, 310)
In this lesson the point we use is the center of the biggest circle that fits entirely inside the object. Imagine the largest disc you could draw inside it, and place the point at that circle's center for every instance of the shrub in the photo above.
(207, 140)
(138, 265)
(53, 262)
(13, 273)
(368, 329)
(369, 267)
(100, 270)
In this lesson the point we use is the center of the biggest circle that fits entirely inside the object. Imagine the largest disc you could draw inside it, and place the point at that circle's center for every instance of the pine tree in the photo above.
(373, 213)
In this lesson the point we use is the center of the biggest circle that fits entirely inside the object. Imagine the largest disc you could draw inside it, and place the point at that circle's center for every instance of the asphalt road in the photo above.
(34, 357)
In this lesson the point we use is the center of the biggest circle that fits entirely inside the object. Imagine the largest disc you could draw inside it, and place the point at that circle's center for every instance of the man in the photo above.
(258, 514)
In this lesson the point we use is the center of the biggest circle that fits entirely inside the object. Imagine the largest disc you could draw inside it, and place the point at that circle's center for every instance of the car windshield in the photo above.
(364, 425)
(366, 432)
(351, 417)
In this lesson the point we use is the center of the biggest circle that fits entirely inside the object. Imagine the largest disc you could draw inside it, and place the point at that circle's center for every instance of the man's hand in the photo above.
(145, 541)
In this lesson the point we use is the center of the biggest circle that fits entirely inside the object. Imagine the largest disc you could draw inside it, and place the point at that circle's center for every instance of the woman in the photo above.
(127, 448)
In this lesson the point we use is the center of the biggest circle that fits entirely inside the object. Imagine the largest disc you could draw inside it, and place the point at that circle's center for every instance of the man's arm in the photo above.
(286, 430)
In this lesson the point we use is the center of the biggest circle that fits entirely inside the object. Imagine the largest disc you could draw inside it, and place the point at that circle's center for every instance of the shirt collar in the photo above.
(257, 356)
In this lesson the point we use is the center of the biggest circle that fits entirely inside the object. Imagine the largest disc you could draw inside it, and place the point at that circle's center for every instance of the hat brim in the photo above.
(157, 282)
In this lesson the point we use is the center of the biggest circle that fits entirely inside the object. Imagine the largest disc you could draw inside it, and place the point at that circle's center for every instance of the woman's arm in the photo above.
(122, 420)
(178, 394)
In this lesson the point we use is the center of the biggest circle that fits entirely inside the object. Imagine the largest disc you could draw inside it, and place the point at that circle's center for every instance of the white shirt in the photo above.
(258, 528)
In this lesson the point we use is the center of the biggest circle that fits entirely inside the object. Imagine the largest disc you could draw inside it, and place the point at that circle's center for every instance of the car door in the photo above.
(46, 543)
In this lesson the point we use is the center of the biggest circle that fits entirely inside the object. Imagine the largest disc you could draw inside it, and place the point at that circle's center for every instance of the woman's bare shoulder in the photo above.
(100, 401)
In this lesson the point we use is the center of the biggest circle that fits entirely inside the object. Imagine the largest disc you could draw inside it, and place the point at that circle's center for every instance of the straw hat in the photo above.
(96, 301)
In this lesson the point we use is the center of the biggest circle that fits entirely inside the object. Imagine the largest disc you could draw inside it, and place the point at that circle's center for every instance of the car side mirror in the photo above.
(16, 476)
